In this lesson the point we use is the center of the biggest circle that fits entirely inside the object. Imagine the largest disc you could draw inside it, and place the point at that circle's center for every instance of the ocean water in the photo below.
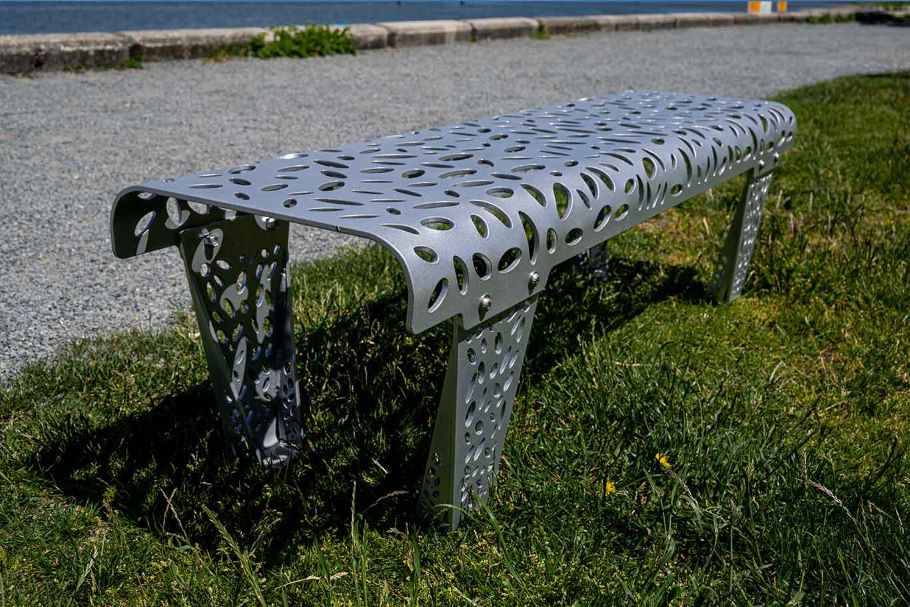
(99, 16)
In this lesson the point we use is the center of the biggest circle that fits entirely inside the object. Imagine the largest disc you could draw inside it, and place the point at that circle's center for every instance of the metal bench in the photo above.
(478, 214)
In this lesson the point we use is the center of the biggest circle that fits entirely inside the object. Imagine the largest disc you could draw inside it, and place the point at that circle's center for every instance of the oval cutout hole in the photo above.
(621, 212)
(551, 240)
(145, 223)
(563, 199)
(427, 254)
(438, 295)
(574, 236)
(531, 235)
(592, 185)
(480, 225)
(437, 223)
(535, 194)
(501, 192)
(603, 217)
(481, 266)
(461, 274)
(509, 260)
(494, 211)
(604, 178)
(649, 167)
(198, 207)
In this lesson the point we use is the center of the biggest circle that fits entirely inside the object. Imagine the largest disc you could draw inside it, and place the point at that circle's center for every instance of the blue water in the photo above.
(100, 16)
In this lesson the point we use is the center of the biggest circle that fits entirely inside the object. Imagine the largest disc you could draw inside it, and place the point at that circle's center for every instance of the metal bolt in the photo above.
(485, 303)
(776, 156)
(761, 164)
(533, 279)
(270, 223)
(210, 239)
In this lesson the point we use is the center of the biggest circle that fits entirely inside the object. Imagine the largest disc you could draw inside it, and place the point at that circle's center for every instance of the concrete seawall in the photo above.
(31, 53)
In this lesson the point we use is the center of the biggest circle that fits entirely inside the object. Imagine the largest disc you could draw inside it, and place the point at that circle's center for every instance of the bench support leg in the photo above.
(477, 396)
(740, 242)
(240, 286)
(595, 261)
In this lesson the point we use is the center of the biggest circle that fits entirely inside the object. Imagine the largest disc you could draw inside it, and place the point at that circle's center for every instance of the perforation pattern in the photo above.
(753, 204)
(240, 285)
(476, 404)
(740, 244)
(478, 213)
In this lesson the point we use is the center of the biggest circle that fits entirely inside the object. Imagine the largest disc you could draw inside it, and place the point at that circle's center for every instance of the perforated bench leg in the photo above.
(740, 242)
(474, 409)
(241, 294)
(596, 261)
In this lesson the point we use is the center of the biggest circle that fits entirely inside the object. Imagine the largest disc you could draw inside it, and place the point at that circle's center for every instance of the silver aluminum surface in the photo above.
(472, 210)
(474, 410)
(240, 285)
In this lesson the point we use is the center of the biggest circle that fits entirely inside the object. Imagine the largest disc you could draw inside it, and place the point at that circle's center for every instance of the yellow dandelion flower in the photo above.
(609, 487)
(664, 460)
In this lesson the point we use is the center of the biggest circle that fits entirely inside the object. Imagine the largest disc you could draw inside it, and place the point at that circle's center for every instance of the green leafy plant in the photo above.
(829, 19)
(310, 41)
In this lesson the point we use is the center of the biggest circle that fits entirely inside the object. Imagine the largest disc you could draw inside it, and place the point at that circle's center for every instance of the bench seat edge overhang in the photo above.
(479, 213)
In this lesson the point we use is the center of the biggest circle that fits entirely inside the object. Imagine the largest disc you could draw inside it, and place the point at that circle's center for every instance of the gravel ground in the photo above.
(69, 142)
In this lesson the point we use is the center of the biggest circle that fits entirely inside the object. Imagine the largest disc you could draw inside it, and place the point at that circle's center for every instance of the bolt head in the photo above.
(486, 303)
(533, 279)
(271, 223)
(211, 239)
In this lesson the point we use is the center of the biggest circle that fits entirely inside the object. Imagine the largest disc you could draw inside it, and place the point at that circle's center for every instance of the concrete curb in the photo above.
(421, 33)
(497, 28)
(569, 25)
(31, 53)
(23, 54)
(161, 45)
(368, 36)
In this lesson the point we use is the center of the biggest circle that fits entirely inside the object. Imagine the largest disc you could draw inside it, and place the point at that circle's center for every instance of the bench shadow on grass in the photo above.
(369, 394)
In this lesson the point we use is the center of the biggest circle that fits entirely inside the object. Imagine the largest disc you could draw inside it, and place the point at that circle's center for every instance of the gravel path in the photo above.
(69, 142)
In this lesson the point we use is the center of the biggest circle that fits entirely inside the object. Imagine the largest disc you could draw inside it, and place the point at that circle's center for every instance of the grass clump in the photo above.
(663, 449)
(829, 19)
(310, 41)
(133, 63)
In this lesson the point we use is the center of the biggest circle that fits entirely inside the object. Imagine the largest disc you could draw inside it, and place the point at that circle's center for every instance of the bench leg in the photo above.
(240, 286)
(737, 251)
(595, 261)
(480, 385)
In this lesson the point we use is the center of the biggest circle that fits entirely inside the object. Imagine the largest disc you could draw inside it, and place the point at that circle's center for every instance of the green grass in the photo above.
(784, 418)
(309, 41)
(828, 19)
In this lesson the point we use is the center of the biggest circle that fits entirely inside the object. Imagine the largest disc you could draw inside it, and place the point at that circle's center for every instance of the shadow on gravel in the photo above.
(369, 395)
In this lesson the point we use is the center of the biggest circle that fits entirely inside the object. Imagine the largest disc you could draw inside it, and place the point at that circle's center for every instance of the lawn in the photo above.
(782, 422)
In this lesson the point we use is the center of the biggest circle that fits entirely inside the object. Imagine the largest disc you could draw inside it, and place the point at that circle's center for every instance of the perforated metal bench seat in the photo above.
(477, 213)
